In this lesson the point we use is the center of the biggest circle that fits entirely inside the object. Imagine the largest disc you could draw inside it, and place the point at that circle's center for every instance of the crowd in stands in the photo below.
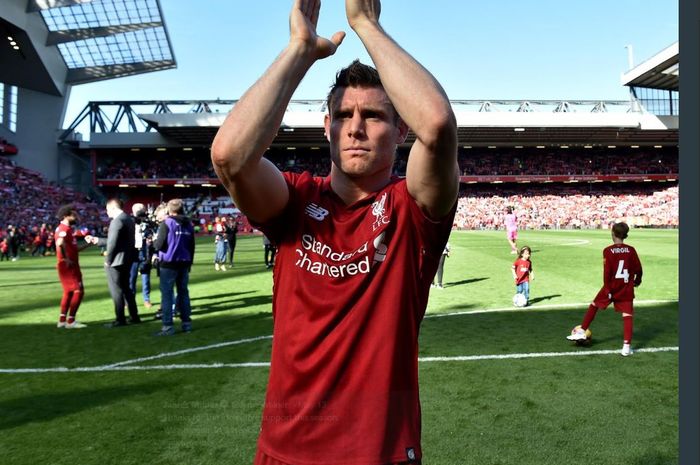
(565, 206)
(7, 148)
(29, 203)
(205, 209)
(316, 162)
(587, 162)
(472, 162)
(28, 206)
(163, 167)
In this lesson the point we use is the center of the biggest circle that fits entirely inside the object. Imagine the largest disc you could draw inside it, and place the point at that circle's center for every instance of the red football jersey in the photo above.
(522, 270)
(70, 243)
(621, 271)
(351, 286)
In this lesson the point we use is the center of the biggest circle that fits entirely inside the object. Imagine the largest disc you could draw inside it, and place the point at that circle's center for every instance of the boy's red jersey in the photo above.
(622, 271)
(522, 269)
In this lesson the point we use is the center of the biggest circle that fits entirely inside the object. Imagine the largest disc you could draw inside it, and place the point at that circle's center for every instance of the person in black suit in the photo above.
(120, 253)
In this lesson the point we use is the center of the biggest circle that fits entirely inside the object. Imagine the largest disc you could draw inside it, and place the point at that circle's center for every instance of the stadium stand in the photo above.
(28, 200)
(472, 162)
(6, 148)
(569, 206)
(581, 162)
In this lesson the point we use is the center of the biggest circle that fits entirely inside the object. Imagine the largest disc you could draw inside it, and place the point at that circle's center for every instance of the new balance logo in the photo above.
(316, 212)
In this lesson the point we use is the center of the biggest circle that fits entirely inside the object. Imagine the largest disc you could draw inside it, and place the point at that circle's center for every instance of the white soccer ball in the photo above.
(519, 300)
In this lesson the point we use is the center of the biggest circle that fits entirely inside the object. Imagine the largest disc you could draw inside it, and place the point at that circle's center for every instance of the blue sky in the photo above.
(495, 49)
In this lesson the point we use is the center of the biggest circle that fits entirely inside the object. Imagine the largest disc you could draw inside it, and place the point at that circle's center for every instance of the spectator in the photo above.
(120, 253)
(175, 246)
(270, 251)
(441, 267)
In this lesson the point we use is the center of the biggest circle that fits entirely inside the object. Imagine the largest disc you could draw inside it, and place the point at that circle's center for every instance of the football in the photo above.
(519, 300)
(586, 341)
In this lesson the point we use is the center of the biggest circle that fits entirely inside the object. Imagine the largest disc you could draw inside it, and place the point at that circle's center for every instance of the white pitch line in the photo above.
(460, 358)
(185, 351)
(637, 303)
(124, 365)
(577, 242)
(105, 368)
(469, 358)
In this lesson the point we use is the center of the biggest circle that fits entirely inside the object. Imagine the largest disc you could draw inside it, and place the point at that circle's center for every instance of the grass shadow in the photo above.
(47, 407)
(218, 296)
(544, 297)
(233, 305)
(31, 283)
(465, 281)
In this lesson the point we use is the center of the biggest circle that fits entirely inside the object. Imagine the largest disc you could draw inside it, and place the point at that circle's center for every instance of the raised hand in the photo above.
(362, 11)
(302, 28)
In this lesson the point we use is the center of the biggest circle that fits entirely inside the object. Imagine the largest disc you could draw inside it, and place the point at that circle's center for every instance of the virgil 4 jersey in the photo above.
(351, 286)
(621, 270)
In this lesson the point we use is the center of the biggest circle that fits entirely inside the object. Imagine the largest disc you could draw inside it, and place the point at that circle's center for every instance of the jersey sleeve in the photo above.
(607, 269)
(434, 233)
(282, 226)
(637, 268)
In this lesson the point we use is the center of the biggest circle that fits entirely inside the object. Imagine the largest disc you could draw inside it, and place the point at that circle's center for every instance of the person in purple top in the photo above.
(511, 223)
(175, 246)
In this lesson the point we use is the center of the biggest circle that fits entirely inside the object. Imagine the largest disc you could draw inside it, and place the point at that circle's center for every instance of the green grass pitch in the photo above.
(499, 385)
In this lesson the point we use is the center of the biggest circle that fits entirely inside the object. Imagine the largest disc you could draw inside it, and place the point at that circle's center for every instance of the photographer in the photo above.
(144, 235)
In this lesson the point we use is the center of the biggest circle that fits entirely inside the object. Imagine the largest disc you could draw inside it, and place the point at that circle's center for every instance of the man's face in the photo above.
(73, 219)
(363, 130)
(111, 210)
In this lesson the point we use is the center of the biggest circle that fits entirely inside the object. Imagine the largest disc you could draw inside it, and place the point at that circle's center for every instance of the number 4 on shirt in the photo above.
(622, 272)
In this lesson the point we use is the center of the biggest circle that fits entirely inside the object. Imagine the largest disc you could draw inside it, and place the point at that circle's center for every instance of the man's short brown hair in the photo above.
(175, 206)
(356, 74)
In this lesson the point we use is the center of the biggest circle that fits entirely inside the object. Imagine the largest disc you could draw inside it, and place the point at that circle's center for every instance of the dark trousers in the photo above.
(171, 278)
(441, 268)
(118, 281)
(270, 255)
(231, 249)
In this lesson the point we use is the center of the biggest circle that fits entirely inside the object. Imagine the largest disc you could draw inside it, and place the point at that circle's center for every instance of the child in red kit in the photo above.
(522, 273)
(622, 272)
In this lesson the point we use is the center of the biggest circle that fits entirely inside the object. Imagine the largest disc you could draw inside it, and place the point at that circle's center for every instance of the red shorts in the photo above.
(70, 276)
(603, 300)
(512, 235)
(262, 458)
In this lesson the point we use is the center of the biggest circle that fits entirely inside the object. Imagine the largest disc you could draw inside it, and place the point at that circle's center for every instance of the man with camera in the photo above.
(143, 242)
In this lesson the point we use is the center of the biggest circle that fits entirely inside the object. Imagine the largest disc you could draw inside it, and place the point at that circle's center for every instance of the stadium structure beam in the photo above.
(659, 72)
(524, 107)
(599, 108)
(38, 5)
(508, 122)
(72, 35)
(98, 73)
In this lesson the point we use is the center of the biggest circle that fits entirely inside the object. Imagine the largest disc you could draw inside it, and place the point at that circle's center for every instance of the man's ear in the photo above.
(327, 127)
(403, 132)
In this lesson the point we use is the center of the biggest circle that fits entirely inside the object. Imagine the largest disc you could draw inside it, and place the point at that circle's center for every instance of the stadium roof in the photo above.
(506, 123)
(103, 39)
(658, 72)
(95, 40)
